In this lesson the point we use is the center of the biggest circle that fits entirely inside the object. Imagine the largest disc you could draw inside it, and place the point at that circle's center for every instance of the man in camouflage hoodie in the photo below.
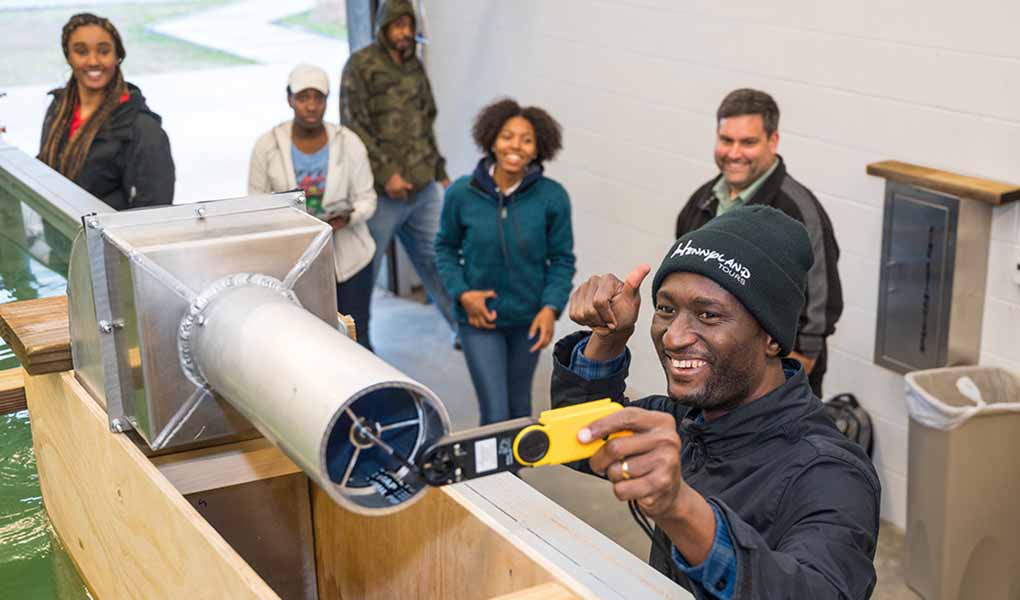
(385, 98)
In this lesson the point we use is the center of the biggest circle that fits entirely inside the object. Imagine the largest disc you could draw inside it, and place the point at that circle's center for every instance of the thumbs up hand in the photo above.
(610, 308)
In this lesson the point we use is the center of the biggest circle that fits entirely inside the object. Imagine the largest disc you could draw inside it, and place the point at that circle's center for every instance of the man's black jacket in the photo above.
(823, 302)
(801, 501)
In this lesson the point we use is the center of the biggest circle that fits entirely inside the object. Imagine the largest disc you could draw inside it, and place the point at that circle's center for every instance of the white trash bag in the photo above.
(946, 398)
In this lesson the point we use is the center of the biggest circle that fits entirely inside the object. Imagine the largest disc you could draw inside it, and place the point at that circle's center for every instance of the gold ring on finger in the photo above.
(625, 469)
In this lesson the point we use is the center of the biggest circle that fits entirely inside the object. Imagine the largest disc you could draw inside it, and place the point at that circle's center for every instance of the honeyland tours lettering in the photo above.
(731, 267)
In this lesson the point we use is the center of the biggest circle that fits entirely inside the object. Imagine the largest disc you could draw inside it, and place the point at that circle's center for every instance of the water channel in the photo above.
(33, 564)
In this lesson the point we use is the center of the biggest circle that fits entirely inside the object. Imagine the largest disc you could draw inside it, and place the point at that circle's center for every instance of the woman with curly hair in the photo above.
(98, 131)
(505, 253)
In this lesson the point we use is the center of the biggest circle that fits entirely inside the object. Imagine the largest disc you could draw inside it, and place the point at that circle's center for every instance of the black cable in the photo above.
(647, 527)
(640, 519)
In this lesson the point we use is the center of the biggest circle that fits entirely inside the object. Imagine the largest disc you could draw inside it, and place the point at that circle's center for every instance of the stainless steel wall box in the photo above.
(932, 286)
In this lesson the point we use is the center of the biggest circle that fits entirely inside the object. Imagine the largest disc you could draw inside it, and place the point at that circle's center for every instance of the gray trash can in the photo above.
(963, 490)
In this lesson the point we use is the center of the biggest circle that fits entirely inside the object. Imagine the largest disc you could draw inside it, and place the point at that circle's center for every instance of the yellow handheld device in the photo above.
(508, 446)
(553, 440)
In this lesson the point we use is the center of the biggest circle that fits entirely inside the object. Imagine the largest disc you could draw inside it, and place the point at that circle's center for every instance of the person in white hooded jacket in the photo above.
(330, 163)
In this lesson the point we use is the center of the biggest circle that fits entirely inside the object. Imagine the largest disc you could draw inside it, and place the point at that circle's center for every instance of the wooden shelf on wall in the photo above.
(976, 188)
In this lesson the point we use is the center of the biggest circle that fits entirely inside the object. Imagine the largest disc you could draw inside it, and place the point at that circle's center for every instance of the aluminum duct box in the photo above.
(134, 278)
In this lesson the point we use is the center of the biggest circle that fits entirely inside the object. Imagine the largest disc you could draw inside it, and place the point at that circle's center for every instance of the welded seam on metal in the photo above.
(303, 263)
(149, 266)
(180, 417)
(196, 318)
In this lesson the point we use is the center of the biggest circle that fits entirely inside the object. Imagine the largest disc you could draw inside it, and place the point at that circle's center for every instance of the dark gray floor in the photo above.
(412, 336)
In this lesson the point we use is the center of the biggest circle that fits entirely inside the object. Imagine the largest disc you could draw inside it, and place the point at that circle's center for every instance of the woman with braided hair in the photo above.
(98, 131)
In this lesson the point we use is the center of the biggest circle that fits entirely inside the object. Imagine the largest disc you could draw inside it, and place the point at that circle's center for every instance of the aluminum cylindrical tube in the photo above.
(293, 376)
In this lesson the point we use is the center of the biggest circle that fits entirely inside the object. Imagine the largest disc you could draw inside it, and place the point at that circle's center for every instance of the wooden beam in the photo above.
(546, 591)
(128, 531)
(223, 466)
(975, 188)
(12, 391)
(37, 331)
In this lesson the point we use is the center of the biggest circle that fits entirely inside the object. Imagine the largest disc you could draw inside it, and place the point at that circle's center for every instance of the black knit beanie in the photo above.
(758, 254)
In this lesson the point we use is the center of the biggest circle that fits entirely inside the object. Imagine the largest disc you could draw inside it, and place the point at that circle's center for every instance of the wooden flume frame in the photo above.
(126, 524)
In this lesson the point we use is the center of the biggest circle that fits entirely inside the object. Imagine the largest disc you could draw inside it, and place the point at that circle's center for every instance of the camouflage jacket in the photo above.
(391, 108)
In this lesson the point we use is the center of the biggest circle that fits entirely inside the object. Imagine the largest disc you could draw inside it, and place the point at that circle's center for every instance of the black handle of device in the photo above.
(473, 453)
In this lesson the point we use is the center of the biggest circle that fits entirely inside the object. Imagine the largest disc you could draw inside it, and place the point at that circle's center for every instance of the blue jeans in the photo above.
(353, 297)
(501, 369)
(415, 222)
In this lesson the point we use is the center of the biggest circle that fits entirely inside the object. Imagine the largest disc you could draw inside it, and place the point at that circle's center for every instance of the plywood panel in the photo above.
(37, 331)
(129, 532)
(223, 466)
(434, 549)
(491, 536)
(269, 523)
(546, 591)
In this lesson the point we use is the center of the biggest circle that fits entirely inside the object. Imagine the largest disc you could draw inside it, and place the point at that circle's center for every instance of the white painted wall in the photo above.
(635, 84)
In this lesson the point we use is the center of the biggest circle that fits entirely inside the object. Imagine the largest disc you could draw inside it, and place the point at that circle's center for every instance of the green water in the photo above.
(33, 565)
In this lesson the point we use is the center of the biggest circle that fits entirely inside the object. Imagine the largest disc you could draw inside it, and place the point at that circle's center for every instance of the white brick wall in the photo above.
(635, 84)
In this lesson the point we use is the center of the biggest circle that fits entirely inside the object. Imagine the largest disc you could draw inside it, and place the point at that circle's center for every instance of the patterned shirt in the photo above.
(310, 173)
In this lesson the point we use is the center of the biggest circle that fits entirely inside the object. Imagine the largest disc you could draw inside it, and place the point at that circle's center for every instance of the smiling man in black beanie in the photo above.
(754, 492)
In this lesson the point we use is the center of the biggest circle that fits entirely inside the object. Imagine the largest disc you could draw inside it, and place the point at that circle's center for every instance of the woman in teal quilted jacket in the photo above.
(505, 252)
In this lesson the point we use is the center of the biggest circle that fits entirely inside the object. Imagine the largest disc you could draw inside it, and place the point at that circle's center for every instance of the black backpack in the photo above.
(851, 420)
